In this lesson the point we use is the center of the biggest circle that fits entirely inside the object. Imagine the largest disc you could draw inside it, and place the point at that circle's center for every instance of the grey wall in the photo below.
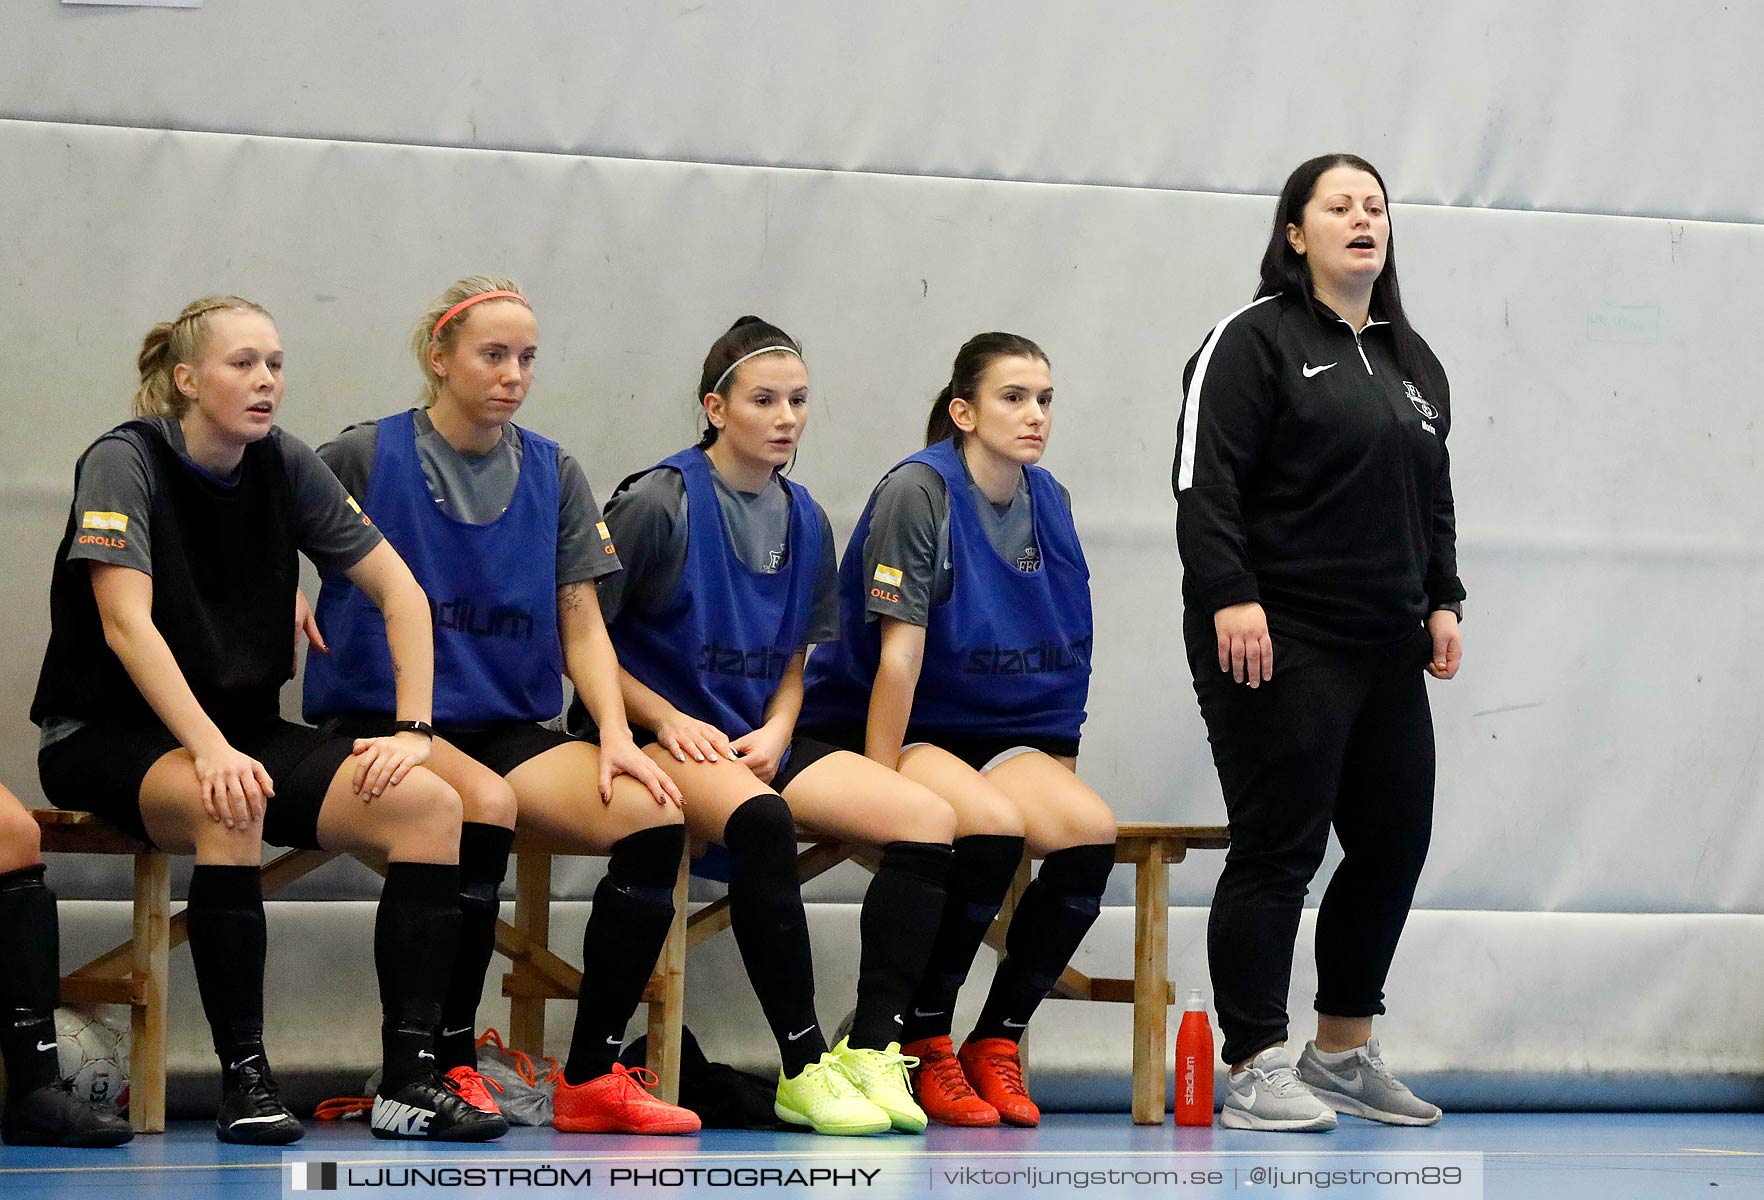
(886, 181)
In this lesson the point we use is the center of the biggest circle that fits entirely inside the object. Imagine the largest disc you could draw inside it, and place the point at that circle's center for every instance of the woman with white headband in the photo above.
(729, 576)
(501, 529)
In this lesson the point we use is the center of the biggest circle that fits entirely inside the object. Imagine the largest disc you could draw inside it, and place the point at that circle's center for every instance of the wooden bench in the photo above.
(137, 972)
(537, 975)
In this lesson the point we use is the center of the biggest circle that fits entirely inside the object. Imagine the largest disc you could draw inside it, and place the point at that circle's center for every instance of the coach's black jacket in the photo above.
(1311, 476)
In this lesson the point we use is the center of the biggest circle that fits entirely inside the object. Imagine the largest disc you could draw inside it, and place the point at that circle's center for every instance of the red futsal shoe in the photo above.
(941, 1088)
(617, 1102)
(997, 1074)
(474, 1088)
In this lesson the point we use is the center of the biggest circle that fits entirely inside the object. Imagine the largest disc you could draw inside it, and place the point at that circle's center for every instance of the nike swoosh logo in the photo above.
(1249, 1098)
(801, 1033)
(455, 1032)
(256, 1120)
(1348, 1083)
(897, 1019)
(919, 1012)
(1311, 372)
(46, 1045)
(1010, 1024)
(614, 1042)
(425, 1054)
(242, 1062)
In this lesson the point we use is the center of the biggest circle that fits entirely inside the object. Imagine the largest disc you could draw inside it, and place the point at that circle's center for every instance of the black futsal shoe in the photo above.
(53, 1116)
(428, 1109)
(251, 1113)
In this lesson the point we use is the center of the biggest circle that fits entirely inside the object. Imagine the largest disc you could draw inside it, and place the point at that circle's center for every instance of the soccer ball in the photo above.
(94, 1051)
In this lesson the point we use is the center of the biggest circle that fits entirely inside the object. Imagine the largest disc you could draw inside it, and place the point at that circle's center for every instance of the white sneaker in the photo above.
(1269, 1095)
(1363, 1086)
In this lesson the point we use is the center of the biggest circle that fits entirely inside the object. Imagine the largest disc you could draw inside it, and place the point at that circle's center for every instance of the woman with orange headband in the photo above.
(500, 527)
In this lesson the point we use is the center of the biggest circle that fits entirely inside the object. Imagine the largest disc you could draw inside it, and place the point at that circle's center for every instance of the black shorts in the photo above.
(99, 769)
(803, 753)
(501, 747)
(978, 751)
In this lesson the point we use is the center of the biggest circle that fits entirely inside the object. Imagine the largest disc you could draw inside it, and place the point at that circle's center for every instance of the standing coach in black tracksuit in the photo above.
(1316, 530)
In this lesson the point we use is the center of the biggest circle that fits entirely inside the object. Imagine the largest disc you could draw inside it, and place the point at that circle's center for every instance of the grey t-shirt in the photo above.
(909, 537)
(115, 494)
(648, 517)
(476, 489)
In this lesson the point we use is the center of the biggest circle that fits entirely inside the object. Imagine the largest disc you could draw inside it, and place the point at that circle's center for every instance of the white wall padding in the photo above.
(1610, 543)
(1612, 106)
(1598, 862)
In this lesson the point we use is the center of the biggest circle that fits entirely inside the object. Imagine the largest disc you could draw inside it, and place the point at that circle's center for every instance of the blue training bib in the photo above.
(492, 596)
(720, 647)
(1007, 655)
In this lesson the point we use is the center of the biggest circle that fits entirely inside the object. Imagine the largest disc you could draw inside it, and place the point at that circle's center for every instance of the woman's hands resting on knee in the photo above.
(235, 786)
(383, 762)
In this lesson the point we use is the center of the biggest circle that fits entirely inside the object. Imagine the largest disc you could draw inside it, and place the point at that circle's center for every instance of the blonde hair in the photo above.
(424, 337)
(179, 341)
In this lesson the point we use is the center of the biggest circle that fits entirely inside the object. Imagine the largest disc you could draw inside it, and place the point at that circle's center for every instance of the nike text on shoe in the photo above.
(429, 1109)
(1268, 1095)
(251, 1110)
(53, 1116)
(1362, 1086)
(618, 1102)
(823, 1097)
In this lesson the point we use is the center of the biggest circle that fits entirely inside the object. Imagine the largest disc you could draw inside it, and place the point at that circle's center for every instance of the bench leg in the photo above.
(151, 954)
(1151, 983)
(667, 1015)
(526, 1014)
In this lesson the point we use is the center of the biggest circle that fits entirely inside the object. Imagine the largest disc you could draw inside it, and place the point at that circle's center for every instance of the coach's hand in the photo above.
(686, 737)
(383, 762)
(1448, 644)
(1245, 649)
(235, 786)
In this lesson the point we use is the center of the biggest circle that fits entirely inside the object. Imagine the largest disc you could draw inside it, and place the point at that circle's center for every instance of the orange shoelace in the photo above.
(1010, 1072)
(641, 1077)
(947, 1070)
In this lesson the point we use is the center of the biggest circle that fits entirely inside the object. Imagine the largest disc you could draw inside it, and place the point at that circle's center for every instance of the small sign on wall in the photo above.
(140, 3)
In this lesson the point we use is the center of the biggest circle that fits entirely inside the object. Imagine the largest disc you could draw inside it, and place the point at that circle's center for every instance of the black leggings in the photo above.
(1338, 737)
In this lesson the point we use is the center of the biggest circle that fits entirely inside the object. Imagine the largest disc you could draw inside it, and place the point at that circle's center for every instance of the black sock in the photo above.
(228, 942)
(30, 979)
(1057, 910)
(483, 861)
(896, 927)
(416, 935)
(765, 910)
(633, 907)
(980, 873)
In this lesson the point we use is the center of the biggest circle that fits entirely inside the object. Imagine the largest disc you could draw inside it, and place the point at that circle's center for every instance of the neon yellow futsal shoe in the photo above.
(823, 1097)
(881, 1075)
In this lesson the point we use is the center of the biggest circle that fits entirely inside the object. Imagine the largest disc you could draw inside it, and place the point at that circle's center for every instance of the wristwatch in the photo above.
(422, 727)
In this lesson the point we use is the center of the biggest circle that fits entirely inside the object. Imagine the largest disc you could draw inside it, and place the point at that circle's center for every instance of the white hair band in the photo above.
(724, 377)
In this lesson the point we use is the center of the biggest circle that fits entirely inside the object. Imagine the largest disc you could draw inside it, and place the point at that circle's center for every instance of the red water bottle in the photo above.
(1194, 1064)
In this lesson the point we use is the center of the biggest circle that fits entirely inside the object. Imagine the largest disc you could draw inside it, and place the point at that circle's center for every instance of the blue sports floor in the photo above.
(1554, 1156)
